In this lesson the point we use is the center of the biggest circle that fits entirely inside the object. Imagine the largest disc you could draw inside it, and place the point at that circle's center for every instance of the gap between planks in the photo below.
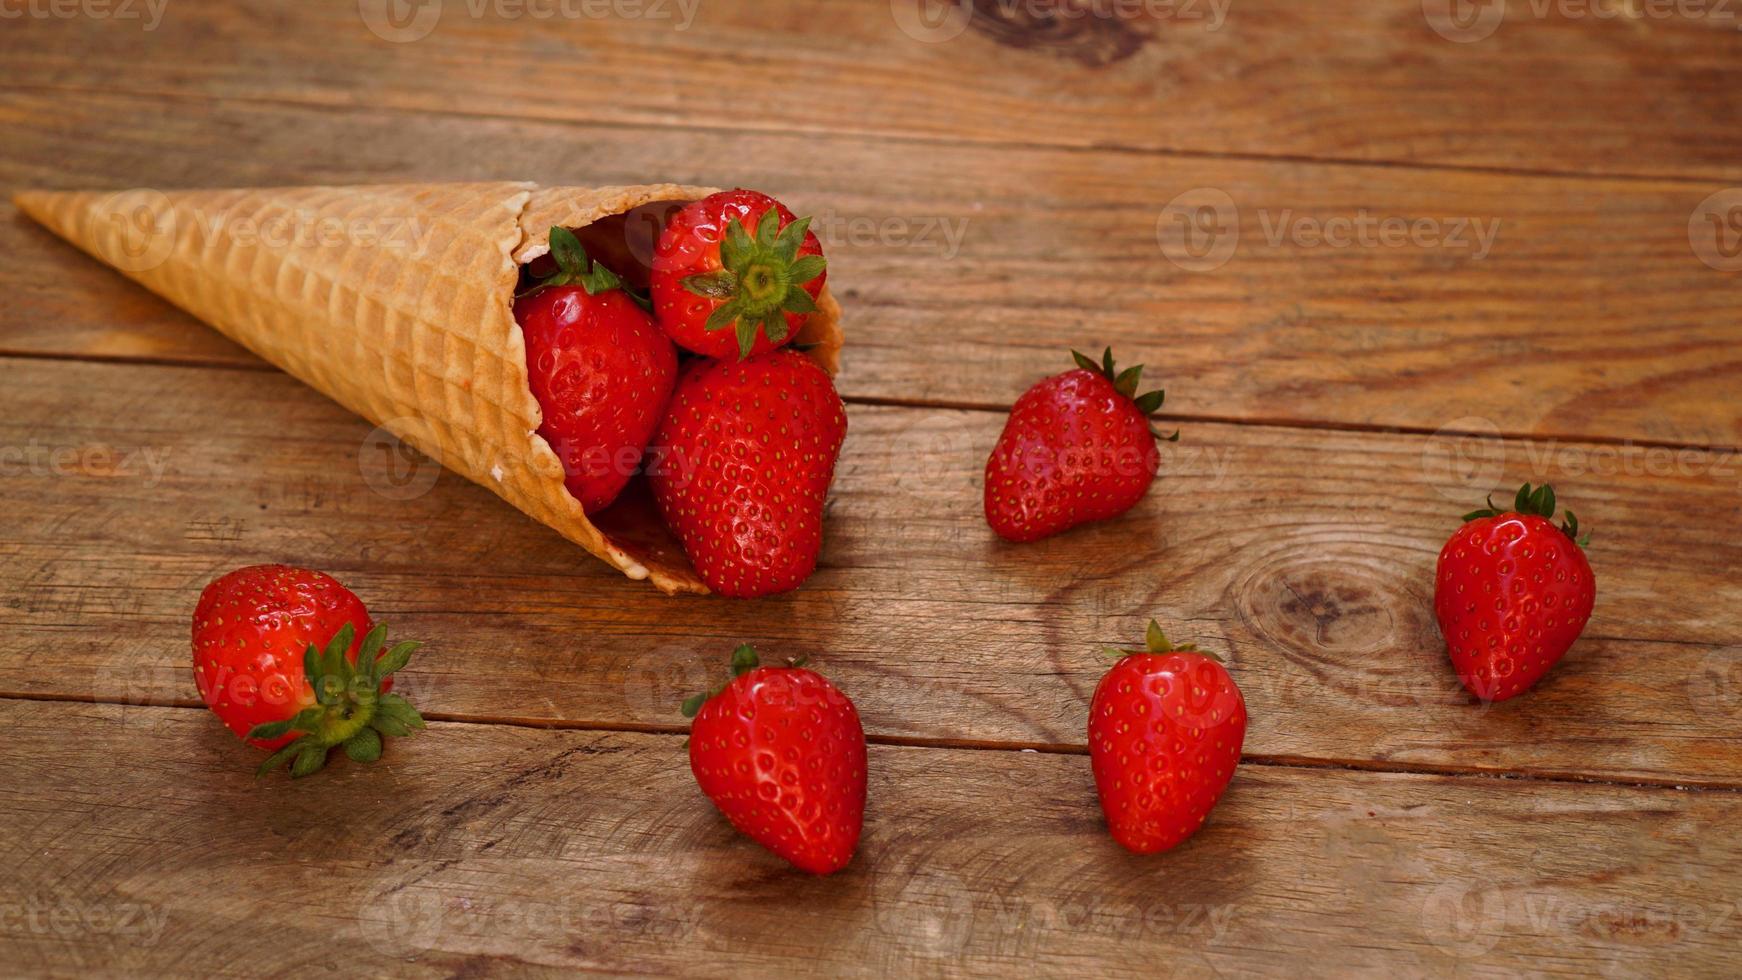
(944, 404)
(971, 745)
(913, 139)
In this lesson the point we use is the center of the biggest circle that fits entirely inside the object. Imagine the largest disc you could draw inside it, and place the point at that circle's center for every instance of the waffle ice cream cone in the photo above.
(396, 302)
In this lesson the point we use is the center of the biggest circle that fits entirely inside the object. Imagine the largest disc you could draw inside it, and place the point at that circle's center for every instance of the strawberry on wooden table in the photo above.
(600, 368)
(735, 274)
(287, 658)
(747, 452)
(1078, 447)
(781, 753)
(1165, 729)
(1511, 593)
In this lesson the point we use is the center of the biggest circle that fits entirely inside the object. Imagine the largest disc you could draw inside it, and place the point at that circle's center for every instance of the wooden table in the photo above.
(1386, 260)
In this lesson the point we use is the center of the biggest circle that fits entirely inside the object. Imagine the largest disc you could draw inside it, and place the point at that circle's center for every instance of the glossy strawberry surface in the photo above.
(250, 630)
(691, 246)
(1074, 450)
(1511, 593)
(747, 452)
(781, 752)
(602, 373)
(1165, 732)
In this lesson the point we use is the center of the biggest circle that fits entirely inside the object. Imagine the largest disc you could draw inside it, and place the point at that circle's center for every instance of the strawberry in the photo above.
(1077, 448)
(278, 657)
(599, 367)
(721, 291)
(781, 752)
(1165, 729)
(748, 451)
(1512, 593)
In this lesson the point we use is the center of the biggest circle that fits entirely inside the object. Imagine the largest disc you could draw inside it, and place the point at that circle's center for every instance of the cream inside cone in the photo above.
(423, 344)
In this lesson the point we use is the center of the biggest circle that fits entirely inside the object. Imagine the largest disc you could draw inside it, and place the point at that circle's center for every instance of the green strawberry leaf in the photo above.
(712, 285)
(365, 746)
(308, 761)
(394, 660)
(744, 660)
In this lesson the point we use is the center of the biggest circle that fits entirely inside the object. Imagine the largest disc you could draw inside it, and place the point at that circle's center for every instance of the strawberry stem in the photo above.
(1125, 382)
(574, 268)
(744, 660)
(761, 280)
(1539, 502)
(350, 709)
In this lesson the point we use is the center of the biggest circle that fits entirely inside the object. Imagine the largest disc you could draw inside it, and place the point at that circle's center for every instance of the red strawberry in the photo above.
(781, 752)
(747, 451)
(1165, 730)
(1077, 448)
(278, 658)
(1512, 593)
(710, 273)
(600, 369)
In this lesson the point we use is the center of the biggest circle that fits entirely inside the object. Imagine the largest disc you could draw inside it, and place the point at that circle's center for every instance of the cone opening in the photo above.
(624, 242)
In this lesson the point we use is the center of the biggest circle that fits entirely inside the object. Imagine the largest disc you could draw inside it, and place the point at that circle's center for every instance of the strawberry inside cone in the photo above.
(601, 369)
(738, 438)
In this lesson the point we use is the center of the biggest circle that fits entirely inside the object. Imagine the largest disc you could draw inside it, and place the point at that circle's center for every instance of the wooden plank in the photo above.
(1591, 316)
(476, 848)
(1306, 555)
(1587, 86)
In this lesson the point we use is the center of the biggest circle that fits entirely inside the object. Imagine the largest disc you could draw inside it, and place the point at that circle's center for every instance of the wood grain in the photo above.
(1306, 555)
(1606, 86)
(1590, 317)
(480, 849)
